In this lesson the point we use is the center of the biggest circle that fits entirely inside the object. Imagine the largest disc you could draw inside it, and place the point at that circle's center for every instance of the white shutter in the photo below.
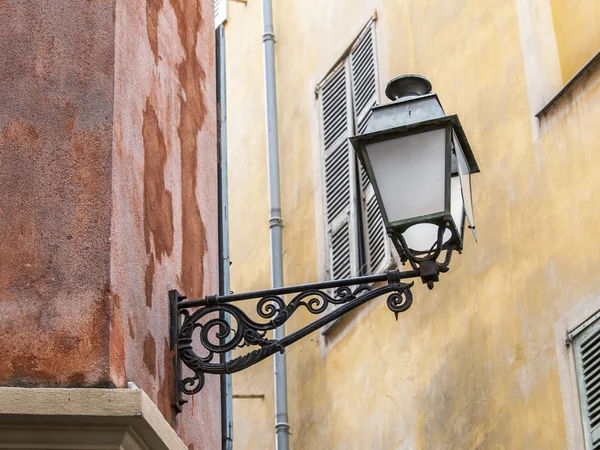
(586, 346)
(365, 94)
(336, 126)
(220, 12)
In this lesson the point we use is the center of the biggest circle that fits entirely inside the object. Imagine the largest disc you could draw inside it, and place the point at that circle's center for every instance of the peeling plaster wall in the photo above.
(473, 363)
(108, 199)
(165, 211)
(56, 97)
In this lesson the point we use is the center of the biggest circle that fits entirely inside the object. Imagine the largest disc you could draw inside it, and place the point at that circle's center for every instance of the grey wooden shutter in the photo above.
(586, 346)
(365, 94)
(336, 126)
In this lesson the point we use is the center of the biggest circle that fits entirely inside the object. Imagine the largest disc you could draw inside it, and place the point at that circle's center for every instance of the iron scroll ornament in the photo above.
(216, 336)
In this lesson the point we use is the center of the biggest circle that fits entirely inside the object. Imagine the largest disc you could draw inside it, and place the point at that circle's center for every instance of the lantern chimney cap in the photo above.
(407, 86)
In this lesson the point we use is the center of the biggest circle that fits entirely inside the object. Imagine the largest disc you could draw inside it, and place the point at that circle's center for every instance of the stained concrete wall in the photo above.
(109, 193)
(475, 363)
(56, 92)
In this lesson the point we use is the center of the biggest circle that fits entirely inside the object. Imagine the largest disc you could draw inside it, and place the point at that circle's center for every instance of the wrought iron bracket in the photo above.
(201, 335)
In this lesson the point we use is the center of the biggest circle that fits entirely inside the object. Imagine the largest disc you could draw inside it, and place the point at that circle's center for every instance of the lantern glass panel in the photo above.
(410, 172)
(422, 236)
(457, 205)
(465, 180)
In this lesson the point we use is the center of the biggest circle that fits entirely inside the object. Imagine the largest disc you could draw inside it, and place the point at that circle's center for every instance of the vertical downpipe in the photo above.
(224, 287)
(275, 221)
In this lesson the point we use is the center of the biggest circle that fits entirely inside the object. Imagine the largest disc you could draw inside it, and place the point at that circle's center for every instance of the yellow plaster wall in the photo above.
(472, 364)
(248, 205)
(577, 28)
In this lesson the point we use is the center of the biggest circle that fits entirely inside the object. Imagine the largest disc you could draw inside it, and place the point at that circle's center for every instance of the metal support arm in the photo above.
(215, 335)
(218, 326)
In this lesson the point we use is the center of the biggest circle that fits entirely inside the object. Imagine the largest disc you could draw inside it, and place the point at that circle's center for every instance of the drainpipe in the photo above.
(275, 222)
(224, 287)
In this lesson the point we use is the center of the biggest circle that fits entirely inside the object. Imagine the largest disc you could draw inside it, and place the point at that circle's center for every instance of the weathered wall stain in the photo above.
(192, 114)
(86, 221)
(45, 226)
(117, 340)
(19, 132)
(24, 266)
(149, 279)
(158, 202)
(153, 7)
(19, 235)
(92, 190)
(150, 354)
(166, 390)
(156, 134)
(53, 236)
(63, 359)
(56, 92)
(131, 326)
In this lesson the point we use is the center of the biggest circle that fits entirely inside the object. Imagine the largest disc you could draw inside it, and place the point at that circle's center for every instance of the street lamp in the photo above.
(420, 164)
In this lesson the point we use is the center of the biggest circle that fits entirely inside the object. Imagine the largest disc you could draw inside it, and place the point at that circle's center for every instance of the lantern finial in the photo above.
(407, 86)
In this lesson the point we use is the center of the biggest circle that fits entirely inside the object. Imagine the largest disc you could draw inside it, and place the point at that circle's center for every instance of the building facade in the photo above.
(502, 353)
(108, 157)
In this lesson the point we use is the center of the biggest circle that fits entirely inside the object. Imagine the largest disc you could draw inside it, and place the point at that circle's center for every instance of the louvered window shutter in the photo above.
(587, 360)
(220, 12)
(365, 94)
(340, 192)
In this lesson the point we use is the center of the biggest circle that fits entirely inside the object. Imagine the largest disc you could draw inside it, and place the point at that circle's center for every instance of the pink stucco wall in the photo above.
(109, 193)
(164, 190)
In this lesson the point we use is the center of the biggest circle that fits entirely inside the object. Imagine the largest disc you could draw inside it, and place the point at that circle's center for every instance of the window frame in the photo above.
(360, 196)
(566, 326)
(333, 226)
(576, 339)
